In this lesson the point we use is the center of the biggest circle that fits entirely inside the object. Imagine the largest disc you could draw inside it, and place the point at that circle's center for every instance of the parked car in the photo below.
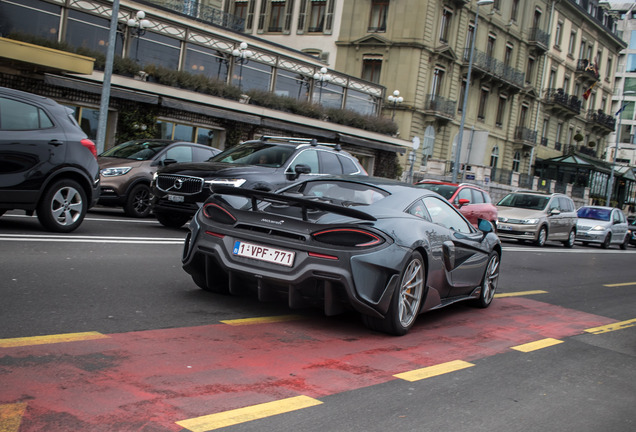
(126, 170)
(603, 225)
(537, 217)
(48, 165)
(631, 228)
(266, 164)
(388, 250)
(473, 202)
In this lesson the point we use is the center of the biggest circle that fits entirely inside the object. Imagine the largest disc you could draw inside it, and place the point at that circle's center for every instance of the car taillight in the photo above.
(89, 145)
(348, 237)
(218, 214)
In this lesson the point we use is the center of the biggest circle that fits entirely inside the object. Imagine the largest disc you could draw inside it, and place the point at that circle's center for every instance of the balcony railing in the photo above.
(604, 120)
(207, 14)
(560, 98)
(440, 105)
(558, 146)
(496, 68)
(526, 135)
(539, 38)
(544, 141)
(588, 68)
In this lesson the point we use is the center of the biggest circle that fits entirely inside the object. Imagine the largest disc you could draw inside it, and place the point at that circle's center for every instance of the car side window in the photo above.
(616, 218)
(566, 205)
(348, 166)
(553, 204)
(306, 157)
(16, 115)
(477, 197)
(201, 154)
(464, 194)
(418, 209)
(329, 163)
(445, 215)
(179, 153)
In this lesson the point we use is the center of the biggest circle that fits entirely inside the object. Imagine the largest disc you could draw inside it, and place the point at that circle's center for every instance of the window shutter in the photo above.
(249, 22)
(329, 18)
(302, 15)
(261, 17)
(288, 16)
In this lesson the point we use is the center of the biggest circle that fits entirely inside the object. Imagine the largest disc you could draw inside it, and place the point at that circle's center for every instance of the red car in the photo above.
(474, 203)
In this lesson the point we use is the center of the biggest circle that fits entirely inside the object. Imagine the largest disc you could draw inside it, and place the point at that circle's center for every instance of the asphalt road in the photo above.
(129, 343)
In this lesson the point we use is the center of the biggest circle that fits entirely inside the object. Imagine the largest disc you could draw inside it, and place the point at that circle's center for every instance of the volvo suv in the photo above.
(537, 217)
(266, 164)
(48, 165)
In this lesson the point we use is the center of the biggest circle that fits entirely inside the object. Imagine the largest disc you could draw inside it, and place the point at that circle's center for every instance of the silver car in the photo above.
(537, 217)
(603, 225)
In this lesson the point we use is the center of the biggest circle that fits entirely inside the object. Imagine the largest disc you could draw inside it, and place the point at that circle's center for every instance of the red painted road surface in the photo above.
(149, 380)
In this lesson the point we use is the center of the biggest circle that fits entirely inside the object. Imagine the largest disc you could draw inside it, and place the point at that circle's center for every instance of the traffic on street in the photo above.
(102, 330)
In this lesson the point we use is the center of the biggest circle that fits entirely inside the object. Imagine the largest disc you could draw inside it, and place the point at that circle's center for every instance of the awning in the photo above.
(115, 92)
(378, 145)
(298, 128)
(209, 111)
(48, 58)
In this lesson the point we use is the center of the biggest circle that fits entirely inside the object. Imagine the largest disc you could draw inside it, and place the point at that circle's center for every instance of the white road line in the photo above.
(96, 219)
(565, 250)
(90, 239)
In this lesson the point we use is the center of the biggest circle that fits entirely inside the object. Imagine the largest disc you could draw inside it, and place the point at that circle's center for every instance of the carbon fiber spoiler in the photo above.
(304, 204)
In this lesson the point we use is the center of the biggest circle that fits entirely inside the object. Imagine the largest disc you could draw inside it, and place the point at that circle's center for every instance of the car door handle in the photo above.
(56, 142)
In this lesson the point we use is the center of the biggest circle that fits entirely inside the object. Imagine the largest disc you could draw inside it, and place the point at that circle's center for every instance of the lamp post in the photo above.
(610, 184)
(242, 56)
(460, 135)
(395, 99)
(137, 27)
(322, 79)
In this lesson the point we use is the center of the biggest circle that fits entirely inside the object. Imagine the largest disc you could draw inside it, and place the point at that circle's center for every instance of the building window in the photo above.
(566, 84)
(552, 79)
(508, 55)
(371, 68)
(469, 39)
(496, 5)
(516, 161)
(317, 16)
(438, 79)
(559, 130)
(240, 9)
(154, 48)
(462, 93)
(490, 48)
(445, 25)
(379, 11)
(205, 61)
(632, 40)
(558, 34)
(514, 10)
(572, 44)
(494, 157)
(291, 84)
(88, 31)
(530, 70)
(483, 102)
(544, 132)
(276, 17)
(608, 69)
(501, 109)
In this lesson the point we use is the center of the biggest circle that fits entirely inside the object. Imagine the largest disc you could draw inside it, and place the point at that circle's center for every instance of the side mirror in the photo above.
(463, 202)
(554, 212)
(485, 226)
(167, 162)
(300, 169)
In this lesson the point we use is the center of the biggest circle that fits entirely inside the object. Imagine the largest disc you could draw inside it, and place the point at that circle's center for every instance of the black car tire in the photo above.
(63, 206)
(607, 242)
(489, 282)
(542, 237)
(138, 201)
(625, 243)
(406, 301)
(569, 243)
(172, 220)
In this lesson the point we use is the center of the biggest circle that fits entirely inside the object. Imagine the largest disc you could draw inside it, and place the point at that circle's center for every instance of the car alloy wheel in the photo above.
(625, 242)
(63, 206)
(490, 281)
(543, 236)
(570, 241)
(607, 242)
(138, 201)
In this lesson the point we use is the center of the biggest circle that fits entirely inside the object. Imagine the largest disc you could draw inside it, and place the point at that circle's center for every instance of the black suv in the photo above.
(47, 164)
(266, 164)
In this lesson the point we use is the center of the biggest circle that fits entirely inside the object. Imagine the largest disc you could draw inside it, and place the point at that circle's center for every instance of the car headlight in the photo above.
(226, 182)
(598, 228)
(114, 172)
(530, 221)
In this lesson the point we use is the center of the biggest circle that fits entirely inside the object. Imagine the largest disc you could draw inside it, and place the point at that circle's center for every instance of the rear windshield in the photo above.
(255, 154)
(446, 191)
(594, 213)
(526, 201)
(340, 191)
(137, 150)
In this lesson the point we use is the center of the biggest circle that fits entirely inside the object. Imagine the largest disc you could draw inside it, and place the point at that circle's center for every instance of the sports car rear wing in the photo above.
(304, 203)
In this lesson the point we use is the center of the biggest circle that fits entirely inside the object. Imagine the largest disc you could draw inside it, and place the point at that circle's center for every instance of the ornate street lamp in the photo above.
(395, 99)
(460, 135)
(137, 28)
(242, 55)
(322, 79)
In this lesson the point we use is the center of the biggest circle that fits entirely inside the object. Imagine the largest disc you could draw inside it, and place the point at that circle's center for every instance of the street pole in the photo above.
(460, 135)
(108, 73)
(610, 184)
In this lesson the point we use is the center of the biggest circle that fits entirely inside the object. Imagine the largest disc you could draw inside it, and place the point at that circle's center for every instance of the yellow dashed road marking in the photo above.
(619, 284)
(262, 320)
(537, 345)
(242, 415)
(11, 416)
(612, 327)
(520, 293)
(42, 340)
(431, 371)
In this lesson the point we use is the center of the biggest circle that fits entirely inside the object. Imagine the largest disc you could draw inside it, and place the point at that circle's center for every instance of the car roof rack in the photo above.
(302, 141)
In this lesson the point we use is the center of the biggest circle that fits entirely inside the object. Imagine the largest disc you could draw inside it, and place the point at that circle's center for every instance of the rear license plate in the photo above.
(264, 253)
(175, 198)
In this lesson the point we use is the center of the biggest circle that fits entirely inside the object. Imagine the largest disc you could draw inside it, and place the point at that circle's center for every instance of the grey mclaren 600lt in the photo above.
(386, 249)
